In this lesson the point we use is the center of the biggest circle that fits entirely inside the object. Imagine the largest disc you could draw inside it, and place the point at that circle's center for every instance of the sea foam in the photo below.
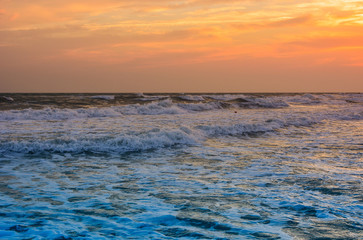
(121, 143)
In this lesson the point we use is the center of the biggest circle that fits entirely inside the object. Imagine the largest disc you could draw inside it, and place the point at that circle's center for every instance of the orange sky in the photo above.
(181, 46)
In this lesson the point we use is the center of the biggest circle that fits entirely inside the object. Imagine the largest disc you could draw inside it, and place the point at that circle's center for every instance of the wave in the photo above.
(168, 106)
(193, 98)
(245, 129)
(133, 141)
(305, 99)
(329, 99)
(103, 97)
(157, 138)
(224, 97)
(6, 99)
(153, 108)
(122, 143)
(158, 107)
(142, 97)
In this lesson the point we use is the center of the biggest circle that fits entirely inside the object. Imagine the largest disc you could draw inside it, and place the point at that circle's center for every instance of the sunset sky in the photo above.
(181, 46)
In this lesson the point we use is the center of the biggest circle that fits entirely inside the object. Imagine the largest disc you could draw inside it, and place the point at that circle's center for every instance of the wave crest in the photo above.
(122, 143)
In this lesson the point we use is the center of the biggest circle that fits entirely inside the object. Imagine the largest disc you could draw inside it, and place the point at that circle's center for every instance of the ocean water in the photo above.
(181, 166)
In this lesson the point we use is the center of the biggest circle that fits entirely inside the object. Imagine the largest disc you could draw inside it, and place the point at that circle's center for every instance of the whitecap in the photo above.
(104, 97)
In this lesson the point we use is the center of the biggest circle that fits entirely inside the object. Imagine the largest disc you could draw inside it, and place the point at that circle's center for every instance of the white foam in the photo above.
(10, 99)
(154, 108)
(122, 143)
(104, 97)
(131, 140)
(140, 94)
(191, 97)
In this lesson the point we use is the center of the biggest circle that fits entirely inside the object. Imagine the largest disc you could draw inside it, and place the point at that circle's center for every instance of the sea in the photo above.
(181, 166)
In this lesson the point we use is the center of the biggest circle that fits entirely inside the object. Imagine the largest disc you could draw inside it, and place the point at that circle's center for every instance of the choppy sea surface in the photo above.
(181, 166)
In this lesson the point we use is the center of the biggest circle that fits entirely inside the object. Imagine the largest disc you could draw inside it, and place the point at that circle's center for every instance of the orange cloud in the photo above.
(161, 33)
(322, 42)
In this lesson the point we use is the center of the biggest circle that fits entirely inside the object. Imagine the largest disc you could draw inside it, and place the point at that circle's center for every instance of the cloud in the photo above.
(291, 21)
(161, 33)
(330, 42)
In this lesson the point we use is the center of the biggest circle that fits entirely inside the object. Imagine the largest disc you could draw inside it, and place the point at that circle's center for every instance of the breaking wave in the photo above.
(121, 143)
(157, 138)
(104, 97)
(34, 139)
(166, 106)
(196, 98)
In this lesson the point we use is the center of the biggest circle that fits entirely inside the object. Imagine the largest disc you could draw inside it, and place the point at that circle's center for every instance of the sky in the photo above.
(181, 46)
